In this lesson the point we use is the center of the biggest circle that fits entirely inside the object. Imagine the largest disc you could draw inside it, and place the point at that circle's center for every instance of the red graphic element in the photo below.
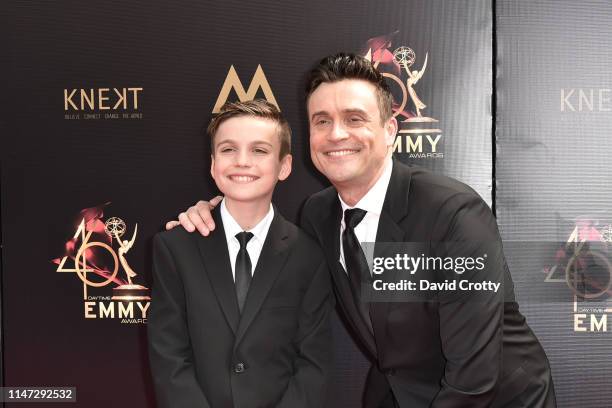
(587, 231)
(381, 53)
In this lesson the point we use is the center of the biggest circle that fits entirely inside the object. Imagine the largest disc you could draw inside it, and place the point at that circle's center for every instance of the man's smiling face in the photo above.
(348, 140)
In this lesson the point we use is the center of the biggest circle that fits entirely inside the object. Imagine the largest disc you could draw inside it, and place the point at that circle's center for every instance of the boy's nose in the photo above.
(243, 159)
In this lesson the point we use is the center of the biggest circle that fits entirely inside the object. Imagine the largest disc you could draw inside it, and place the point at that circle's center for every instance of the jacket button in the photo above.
(239, 368)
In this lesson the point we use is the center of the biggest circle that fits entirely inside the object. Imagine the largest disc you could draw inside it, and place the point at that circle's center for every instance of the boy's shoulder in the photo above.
(177, 236)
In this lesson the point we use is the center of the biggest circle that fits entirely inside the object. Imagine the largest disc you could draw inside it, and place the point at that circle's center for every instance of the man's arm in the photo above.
(471, 322)
(308, 386)
(170, 351)
(198, 216)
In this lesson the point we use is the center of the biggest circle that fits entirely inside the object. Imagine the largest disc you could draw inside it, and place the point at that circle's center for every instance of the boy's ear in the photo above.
(212, 165)
(285, 169)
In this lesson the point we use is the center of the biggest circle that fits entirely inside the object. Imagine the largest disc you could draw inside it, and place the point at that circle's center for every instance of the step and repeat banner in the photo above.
(103, 141)
(554, 183)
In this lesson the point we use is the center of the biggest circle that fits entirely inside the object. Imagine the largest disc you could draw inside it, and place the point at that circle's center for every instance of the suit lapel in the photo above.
(395, 208)
(215, 257)
(271, 261)
(330, 240)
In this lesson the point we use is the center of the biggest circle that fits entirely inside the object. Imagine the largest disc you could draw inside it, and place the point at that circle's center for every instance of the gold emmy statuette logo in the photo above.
(232, 81)
(406, 57)
(98, 252)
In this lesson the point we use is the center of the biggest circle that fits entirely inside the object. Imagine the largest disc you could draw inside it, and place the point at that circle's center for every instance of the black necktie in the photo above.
(243, 268)
(355, 260)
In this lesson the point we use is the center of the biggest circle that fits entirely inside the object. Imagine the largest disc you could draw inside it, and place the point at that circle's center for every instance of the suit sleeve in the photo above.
(471, 322)
(170, 352)
(305, 223)
(308, 386)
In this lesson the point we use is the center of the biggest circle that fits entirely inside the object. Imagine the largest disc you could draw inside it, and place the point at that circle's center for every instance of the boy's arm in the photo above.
(170, 352)
(308, 386)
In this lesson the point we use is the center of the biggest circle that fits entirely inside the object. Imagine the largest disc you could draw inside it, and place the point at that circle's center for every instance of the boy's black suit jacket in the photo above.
(203, 353)
(450, 353)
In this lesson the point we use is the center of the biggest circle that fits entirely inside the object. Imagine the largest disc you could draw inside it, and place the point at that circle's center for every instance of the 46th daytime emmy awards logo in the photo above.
(584, 265)
(418, 135)
(96, 254)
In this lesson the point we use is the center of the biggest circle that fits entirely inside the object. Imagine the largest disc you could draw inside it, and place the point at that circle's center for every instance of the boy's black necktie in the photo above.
(243, 268)
(355, 260)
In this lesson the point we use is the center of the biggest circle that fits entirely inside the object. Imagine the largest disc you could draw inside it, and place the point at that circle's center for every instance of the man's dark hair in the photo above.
(350, 66)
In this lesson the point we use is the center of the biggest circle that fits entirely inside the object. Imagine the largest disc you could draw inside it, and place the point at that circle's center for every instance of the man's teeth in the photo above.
(243, 178)
(341, 152)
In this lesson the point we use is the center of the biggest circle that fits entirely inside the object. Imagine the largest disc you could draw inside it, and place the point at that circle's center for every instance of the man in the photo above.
(449, 353)
(241, 319)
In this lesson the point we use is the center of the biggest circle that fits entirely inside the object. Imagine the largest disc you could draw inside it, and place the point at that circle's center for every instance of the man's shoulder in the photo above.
(328, 194)
(300, 241)
(437, 183)
(436, 188)
(321, 202)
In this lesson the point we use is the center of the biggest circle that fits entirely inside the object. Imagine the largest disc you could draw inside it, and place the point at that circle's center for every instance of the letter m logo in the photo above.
(233, 82)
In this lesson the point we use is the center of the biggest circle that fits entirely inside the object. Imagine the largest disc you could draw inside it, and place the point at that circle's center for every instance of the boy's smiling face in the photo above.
(245, 161)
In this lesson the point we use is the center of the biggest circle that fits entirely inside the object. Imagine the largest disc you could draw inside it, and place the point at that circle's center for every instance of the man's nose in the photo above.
(338, 132)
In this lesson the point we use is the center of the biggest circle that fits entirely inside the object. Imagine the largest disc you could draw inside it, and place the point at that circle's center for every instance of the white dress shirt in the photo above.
(255, 244)
(372, 202)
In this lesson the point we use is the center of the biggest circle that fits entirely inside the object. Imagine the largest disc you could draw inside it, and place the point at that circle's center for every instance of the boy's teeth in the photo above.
(243, 178)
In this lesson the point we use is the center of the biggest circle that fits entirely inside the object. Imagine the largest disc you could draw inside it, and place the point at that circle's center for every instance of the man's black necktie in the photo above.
(243, 268)
(355, 260)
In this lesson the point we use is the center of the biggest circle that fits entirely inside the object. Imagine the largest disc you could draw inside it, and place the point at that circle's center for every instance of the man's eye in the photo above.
(355, 119)
(227, 149)
(322, 122)
(260, 151)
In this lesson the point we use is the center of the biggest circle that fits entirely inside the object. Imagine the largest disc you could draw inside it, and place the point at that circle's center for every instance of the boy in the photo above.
(241, 318)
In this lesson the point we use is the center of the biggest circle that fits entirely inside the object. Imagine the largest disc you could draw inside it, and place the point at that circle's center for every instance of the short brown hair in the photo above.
(259, 108)
(350, 66)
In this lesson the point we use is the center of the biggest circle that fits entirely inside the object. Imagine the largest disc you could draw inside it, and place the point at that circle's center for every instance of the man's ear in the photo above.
(212, 165)
(391, 130)
(285, 169)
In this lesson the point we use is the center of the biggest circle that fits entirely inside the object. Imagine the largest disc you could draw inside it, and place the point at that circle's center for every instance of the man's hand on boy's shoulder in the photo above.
(197, 217)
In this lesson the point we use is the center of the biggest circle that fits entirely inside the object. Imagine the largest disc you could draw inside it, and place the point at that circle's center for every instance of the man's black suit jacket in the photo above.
(446, 353)
(203, 353)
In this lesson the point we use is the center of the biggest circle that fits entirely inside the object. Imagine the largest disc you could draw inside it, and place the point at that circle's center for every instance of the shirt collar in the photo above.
(232, 227)
(374, 199)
